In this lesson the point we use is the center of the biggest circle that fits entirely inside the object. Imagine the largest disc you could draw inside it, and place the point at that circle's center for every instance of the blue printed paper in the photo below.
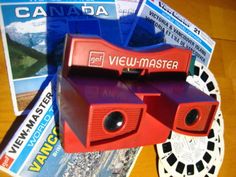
(34, 34)
(156, 23)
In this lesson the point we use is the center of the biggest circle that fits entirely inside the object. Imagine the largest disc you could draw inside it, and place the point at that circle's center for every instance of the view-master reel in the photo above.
(112, 98)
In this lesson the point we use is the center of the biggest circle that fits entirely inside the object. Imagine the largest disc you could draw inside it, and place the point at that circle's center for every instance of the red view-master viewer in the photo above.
(113, 98)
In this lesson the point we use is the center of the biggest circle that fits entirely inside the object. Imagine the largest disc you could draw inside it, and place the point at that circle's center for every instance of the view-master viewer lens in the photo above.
(114, 121)
(192, 117)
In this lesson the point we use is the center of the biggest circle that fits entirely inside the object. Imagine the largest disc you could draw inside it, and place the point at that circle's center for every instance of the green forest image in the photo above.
(25, 61)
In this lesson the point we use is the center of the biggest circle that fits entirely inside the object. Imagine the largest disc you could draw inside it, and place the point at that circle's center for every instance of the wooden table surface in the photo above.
(218, 19)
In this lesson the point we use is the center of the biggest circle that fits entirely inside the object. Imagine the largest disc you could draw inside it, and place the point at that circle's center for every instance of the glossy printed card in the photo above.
(156, 22)
(33, 34)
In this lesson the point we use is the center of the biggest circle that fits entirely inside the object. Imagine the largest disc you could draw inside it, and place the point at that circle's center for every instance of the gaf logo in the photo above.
(6, 161)
(96, 59)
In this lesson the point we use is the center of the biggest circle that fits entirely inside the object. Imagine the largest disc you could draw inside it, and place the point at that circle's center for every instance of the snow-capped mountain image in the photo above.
(35, 33)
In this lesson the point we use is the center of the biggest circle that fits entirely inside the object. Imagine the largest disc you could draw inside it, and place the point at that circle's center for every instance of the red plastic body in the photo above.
(97, 53)
(151, 107)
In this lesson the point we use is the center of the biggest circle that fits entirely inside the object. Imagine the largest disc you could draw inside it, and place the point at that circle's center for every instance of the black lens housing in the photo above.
(192, 117)
(114, 121)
